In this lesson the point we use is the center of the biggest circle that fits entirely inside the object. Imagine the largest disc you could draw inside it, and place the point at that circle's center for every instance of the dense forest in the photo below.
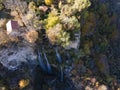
(59, 45)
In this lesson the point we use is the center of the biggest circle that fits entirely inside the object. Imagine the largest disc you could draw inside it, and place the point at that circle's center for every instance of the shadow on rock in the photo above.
(46, 81)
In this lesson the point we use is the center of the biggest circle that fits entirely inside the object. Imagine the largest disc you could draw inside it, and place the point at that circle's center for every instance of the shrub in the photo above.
(31, 36)
(1, 6)
(3, 22)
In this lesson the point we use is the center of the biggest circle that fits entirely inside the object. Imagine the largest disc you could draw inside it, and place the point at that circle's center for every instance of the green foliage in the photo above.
(87, 49)
(67, 10)
(70, 1)
(70, 23)
(81, 53)
(81, 4)
(39, 2)
(64, 38)
(98, 27)
(103, 8)
(74, 6)
(66, 16)
(89, 23)
(61, 22)
(53, 33)
(32, 6)
(1, 1)
(38, 23)
(1, 6)
(85, 14)
(103, 46)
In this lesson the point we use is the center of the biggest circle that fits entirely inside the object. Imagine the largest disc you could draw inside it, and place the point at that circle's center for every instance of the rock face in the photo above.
(76, 43)
(13, 56)
(17, 63)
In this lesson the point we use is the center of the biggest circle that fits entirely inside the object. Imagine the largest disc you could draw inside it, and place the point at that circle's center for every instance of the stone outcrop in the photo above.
(13, 56)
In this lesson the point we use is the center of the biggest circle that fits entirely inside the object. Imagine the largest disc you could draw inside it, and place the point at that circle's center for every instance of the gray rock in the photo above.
(12, 57)
(17, 63)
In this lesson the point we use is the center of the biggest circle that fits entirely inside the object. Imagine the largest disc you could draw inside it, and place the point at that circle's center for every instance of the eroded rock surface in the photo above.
(14, 55)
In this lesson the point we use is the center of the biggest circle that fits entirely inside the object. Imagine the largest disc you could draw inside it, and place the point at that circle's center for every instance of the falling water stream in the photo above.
(61, 75)
(45, 65)
(47, 62)
(42, 65)
(58, 55)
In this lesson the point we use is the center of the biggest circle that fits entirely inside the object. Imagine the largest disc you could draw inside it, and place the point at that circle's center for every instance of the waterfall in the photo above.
(42, 65)
(58, 56)
(49, 70)
(61, 74)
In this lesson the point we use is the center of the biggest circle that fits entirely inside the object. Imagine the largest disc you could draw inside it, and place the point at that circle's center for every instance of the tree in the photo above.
(66, 16)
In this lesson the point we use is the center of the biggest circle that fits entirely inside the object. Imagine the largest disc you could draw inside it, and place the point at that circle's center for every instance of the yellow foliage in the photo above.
(70, 1)
(23, 83)
(31, 36)
(3, 38)
(29, 16)
(52, 20)
(52, 38)
(1, 6)
(32, 6)
(48, 2)
(102, 87)
(3, 22)
(53, 33)
(14, 13)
